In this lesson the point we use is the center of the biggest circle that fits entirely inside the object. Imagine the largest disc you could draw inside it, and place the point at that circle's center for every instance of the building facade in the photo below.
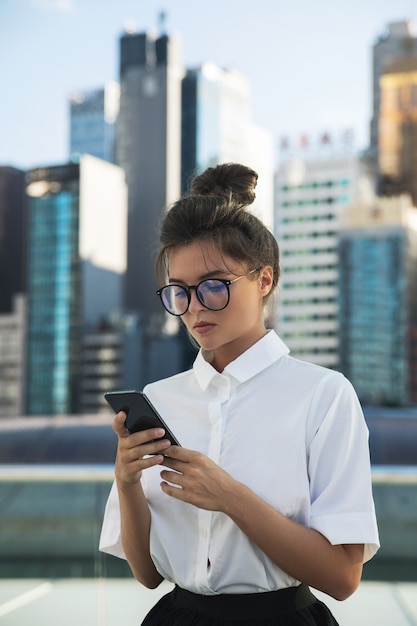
(313, 192)
(111, 360)
(397, 42)
(378, 301)
(76, 263)
(397, 155)
(217, 128)
(93, 117)
(149, 151)
(13, 216)
(13, 358)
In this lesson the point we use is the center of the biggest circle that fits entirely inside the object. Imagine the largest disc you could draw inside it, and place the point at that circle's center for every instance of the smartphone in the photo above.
(141, 414)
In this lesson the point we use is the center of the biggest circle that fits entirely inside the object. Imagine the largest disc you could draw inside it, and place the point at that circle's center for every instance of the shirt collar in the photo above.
(258, 357)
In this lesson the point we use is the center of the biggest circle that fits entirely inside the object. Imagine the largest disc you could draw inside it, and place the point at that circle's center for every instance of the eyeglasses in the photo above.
(212, 293)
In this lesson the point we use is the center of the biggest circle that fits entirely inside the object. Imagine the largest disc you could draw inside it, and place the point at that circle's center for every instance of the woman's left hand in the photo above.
(196, 479)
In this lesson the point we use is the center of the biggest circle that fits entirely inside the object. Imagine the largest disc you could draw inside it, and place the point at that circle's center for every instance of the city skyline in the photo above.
(309, 68)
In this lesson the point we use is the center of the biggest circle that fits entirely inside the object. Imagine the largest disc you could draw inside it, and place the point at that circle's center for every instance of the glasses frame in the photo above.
(189, 288)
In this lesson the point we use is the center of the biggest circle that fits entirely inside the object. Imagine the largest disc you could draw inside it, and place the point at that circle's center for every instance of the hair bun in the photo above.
(230, 179)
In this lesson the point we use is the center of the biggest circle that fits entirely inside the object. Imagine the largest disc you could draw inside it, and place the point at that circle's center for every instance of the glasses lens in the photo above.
(175, 299)
(213, 294)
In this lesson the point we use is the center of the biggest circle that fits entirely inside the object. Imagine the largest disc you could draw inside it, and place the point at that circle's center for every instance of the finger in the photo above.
(171, 477)
(174, 492)
(146, 436)
(172, 463)
(119, 424)
(181, 454)
(131, 453)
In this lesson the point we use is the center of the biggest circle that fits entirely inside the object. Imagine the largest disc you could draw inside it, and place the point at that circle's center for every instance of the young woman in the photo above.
(270, 492)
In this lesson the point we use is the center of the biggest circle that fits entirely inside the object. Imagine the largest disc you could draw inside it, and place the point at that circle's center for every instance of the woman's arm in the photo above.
(302, 552)
(134, 511)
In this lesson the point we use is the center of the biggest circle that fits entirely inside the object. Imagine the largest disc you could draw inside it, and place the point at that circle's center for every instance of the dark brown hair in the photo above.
(216, 209)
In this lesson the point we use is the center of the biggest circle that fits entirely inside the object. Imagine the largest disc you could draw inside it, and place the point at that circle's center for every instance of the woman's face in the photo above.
(232, 330)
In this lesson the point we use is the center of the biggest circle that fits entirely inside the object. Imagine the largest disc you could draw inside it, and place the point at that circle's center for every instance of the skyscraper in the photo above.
(215, 119)
(399, 41)
(93, 116)
(149, 151)
(378, 300)
(314, 188)
(13, 215)
(76, 261)
(397, 158)
(217, 128)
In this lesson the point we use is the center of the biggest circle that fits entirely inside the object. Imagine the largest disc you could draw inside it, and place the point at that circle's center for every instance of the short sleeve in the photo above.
(110, 540)
(342, 506)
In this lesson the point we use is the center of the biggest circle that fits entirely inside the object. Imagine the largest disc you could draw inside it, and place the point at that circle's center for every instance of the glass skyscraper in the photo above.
(373, 315)
(217, 128)
(215, 119)
(93, 116)
(76, 262)
(378, 311)
(54, 290)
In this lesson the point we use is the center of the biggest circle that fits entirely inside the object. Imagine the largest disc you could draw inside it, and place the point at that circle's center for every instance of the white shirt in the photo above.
(292, 431)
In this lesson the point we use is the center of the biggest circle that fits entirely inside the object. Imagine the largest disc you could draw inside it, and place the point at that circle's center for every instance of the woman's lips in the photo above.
(203, 327)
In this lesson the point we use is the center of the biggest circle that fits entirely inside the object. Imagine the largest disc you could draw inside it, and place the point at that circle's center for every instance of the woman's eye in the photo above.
(215, 286)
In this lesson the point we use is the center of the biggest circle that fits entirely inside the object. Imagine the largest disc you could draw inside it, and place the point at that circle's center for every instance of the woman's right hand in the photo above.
(133, 448)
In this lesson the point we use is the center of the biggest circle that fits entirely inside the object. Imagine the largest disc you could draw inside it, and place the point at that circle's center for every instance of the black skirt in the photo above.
(295, 606)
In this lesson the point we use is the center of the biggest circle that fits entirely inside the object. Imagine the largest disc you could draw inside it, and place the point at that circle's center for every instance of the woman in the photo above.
(271, 491)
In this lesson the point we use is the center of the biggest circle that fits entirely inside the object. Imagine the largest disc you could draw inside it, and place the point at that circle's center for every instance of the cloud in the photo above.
(61, 6)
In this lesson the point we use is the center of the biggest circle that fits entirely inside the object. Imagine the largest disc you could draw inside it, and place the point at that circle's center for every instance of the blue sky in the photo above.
(308, 63)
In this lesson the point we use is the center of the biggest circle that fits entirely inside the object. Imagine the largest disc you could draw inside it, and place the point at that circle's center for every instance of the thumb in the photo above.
(119, 425)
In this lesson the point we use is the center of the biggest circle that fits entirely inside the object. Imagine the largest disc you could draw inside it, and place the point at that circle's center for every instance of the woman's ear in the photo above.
(266, 280)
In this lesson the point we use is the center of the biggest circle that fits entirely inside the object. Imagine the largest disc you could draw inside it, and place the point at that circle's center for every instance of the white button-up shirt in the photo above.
(292, 431)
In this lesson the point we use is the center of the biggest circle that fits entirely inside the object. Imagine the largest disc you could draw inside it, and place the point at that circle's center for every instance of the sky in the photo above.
(308, 63)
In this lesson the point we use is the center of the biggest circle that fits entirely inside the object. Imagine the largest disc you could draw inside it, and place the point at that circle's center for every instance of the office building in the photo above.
(13, 217)
(398, 41)
(12, 358)
(315, 185)
(397, 157)
(93, 117)
(76, 263)
(111, 360)
(149, 151)
(215, 119)
(378, 301)
(217, 128)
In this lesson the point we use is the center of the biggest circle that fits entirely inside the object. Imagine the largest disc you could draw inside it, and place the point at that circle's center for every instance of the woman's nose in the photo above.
(195, 304)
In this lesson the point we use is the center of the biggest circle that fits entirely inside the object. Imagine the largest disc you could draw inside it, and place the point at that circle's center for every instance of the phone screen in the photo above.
(141, 414)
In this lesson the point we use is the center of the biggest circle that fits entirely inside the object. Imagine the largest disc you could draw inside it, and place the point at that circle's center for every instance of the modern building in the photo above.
(398, 41)
(378, 300)
(13, 208)
(215, 119)
(76, 265)
(149, 151)
(93, 117)
(397, 156)
(315, 184)
(217, 128)
(13, 358)
(111, 360)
